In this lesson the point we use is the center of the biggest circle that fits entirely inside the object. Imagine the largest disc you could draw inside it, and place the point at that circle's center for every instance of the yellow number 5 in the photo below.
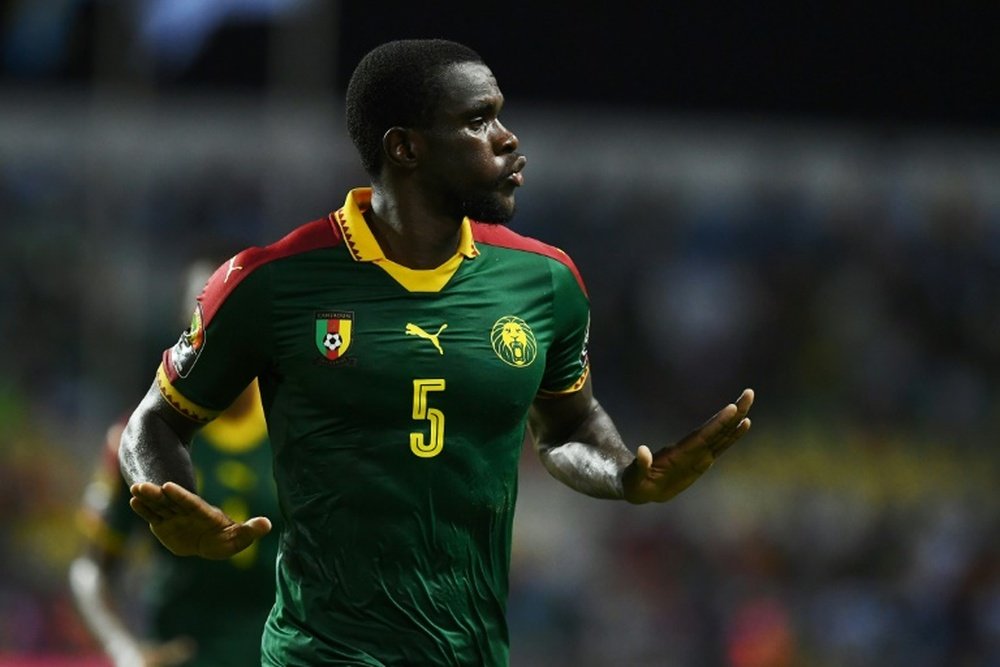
(434, 443)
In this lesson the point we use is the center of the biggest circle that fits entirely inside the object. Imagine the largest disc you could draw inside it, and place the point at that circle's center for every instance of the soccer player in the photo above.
(402, 345)
(196, 613)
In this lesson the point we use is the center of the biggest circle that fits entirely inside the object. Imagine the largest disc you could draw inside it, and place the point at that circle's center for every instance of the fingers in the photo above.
(729, 419)
(144, 511)
(159, 503)
(149, 502)
(722, 421)
(733, 414)
(187, 525)
(644, 457)
(147, 491)
(737, 425)
(259, 526)
(183, 500)
(238, 537)
(725, 427)
(725, 443)
(744, 402)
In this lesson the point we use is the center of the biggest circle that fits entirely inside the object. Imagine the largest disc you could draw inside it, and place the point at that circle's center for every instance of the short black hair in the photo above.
(397, 84)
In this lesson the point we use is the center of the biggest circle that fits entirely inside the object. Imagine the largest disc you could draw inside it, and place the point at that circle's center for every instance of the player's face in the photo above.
(472, 166)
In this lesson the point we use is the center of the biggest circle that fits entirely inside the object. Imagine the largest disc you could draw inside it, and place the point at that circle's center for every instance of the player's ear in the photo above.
(401, 147)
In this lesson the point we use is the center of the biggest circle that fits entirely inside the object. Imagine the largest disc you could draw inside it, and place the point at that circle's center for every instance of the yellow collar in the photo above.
(364, 248)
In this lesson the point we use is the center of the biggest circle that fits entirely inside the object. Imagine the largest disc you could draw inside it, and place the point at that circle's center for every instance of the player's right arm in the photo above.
(223, 350)
(156, 463)
(154, 445)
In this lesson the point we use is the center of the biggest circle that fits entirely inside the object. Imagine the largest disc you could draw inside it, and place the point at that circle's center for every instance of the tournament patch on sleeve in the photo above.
(184, 354)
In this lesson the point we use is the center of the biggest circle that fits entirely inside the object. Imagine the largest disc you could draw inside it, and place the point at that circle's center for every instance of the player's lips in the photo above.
(515, 176)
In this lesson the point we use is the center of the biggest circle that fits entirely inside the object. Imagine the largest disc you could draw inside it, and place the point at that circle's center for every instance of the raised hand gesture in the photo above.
(189, 526)
(661, 476)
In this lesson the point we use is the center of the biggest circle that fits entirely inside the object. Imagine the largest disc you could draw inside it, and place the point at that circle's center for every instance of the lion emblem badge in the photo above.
(513, 341)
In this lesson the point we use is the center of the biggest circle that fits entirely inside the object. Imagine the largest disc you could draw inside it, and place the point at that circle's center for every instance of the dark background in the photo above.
(802, 197)
(882, 63)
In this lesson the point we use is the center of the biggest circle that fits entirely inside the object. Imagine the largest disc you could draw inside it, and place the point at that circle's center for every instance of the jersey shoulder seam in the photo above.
(503, 237)
(321, 233)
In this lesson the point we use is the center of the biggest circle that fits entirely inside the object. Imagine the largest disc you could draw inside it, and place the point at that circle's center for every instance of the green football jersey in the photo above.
(181, 596)
(396, 402)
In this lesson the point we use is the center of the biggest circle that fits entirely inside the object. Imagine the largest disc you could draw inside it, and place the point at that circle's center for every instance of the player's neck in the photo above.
(410, 234)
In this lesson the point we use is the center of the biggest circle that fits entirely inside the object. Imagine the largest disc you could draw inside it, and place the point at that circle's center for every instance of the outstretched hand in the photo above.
(189, 526)
(661, 476)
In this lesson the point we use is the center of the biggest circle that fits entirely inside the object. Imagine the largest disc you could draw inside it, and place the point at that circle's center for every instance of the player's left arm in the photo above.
(580, 446)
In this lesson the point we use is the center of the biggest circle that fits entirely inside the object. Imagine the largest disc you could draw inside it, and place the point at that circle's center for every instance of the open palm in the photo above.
(661, 476)
(187, 525)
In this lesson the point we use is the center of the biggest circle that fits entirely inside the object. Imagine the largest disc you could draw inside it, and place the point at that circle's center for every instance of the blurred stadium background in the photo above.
(802, 200)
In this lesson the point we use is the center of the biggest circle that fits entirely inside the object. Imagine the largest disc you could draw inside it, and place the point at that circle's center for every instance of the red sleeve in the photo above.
(503, 237)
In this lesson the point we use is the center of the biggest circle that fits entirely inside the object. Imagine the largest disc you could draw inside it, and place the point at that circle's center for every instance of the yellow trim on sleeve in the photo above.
(179, 402)
(575, 387)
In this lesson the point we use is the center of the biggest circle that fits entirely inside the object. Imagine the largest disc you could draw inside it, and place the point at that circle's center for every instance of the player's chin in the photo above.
(497, 209)
(498, 218)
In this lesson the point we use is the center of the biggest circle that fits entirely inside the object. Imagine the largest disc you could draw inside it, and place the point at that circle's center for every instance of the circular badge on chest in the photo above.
(513, 341)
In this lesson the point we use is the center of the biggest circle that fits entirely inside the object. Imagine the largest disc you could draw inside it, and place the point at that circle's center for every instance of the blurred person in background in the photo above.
(189, 622)
(402, 345)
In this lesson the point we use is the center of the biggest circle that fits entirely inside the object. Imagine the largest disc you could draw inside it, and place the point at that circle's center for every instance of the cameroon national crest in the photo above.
(185, 353)
(333, 333)
(514, 341)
